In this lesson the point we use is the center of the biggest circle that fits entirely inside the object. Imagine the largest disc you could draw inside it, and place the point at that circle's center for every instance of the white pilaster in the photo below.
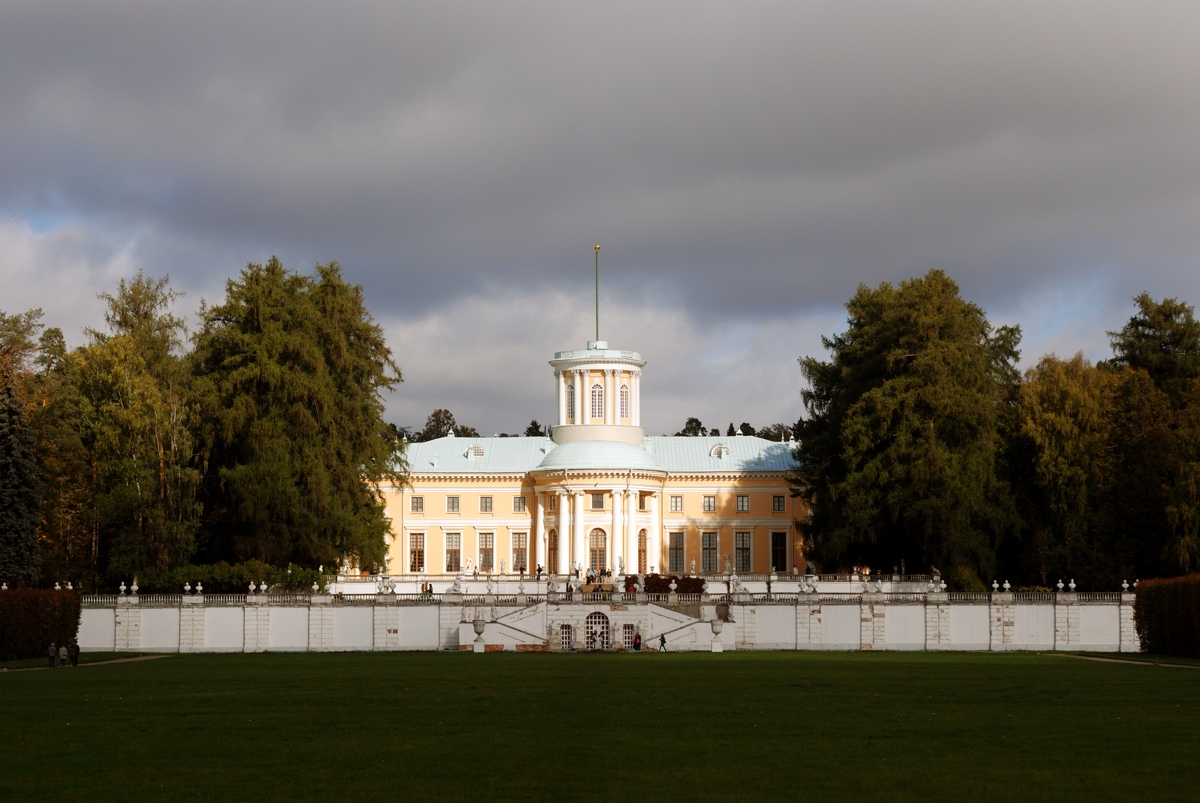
(654, 538)
(635, 401)
(580, 398)
(618, 548)
(578, 547)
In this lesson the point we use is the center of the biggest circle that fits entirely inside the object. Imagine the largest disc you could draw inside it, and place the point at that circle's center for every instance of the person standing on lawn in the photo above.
(62, 656)
(73, 653)
(53, 654)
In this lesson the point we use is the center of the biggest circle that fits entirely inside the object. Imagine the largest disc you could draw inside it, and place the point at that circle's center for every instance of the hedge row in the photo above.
(31, 619)
(1167, 615)
(224, 578)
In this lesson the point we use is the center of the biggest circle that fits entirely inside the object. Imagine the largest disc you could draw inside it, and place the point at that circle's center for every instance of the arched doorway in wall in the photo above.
(598, 635)
(597, 550)
(641, 565)
(552, 552)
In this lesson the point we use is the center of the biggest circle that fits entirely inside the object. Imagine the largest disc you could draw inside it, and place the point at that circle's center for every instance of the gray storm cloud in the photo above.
(746, 164)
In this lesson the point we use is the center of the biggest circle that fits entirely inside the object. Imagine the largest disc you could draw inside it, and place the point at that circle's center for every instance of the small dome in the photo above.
(599, 455)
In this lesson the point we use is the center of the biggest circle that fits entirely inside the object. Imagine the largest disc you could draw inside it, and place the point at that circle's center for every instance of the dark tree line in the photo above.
(259, 438)
(922, 444)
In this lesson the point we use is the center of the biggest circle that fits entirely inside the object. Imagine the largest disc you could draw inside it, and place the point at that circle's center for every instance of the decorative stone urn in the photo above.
(480, 625)
(717, 626)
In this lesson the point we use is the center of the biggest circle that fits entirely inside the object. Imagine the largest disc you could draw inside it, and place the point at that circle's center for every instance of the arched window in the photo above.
(570, 401)
(597, 401)
(642, 551)
(474, 451)
(598, 634)
(597, 550)
(624, 401)
(552, 552)
(720, 451)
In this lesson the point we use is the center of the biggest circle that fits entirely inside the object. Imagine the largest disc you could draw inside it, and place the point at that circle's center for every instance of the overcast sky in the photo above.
(744, 167)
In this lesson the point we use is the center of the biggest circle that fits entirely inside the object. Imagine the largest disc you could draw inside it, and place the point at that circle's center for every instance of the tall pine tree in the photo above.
(290, 369)
(20, 488)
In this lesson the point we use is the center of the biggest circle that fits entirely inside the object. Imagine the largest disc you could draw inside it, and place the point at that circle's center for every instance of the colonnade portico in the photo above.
(621, 521)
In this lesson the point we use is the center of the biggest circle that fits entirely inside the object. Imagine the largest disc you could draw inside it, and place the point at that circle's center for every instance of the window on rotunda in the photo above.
(624, 401)
(597, 401)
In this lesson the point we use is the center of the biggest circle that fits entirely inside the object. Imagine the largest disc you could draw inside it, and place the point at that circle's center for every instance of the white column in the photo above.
(609, 393)
(564, 535)
(537, 539)
(578, 546)
(618, 549)
(635, 400)
(630, 547)
(562, 397)
(579, 398)
(654, 539)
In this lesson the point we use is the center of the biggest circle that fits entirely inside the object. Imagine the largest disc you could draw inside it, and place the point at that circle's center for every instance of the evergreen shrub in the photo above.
(225, 578)
(30, 619)
(1167, 615)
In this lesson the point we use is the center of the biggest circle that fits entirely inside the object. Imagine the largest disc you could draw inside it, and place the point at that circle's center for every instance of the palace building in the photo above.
(597, 494)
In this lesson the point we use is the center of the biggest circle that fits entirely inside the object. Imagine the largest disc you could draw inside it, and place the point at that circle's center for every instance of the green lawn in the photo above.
(602, 726)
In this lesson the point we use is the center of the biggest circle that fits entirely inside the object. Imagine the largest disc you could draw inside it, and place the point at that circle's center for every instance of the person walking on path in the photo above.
(662, 642)
(53, 654)
(62, 656)
(73, 653)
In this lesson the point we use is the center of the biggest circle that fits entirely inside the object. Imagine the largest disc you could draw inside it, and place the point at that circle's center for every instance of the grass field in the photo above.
(602, 726)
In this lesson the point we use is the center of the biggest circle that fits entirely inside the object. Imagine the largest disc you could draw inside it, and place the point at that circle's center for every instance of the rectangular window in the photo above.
(627, 633)
(779, 560)
(566, 637)
(743, 503)
(417, 504)
(710, 504)
(451, 504)
(777, 504)
(520, 555)
(597, 501)
(485, 504)
(642, 502)
(453, 552)
(676, 504)
(487, 551)
(416, 552)
(552, 502)
(676, 552)
(708, 552)
(518, 504)
(741, 552)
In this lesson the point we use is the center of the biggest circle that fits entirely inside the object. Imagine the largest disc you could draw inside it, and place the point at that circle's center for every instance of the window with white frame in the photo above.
(417, 504)
(676, 504)
(675, 551)
(597, 401)
(708, 552)
(552, 502)
(485, 504)
(642, 551)
(451, 504)
(710, 504)
(741, 552)
(416, 552)
(597, 501)
(642, 502)
(627, 634)
(518, 504)
(552, 551)
(779, 557)
(777, 504)
(453, 552)
(570, 400)
(520, 552)
(487, 551)
(597, 550)
(743, 503)
(624, 401)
